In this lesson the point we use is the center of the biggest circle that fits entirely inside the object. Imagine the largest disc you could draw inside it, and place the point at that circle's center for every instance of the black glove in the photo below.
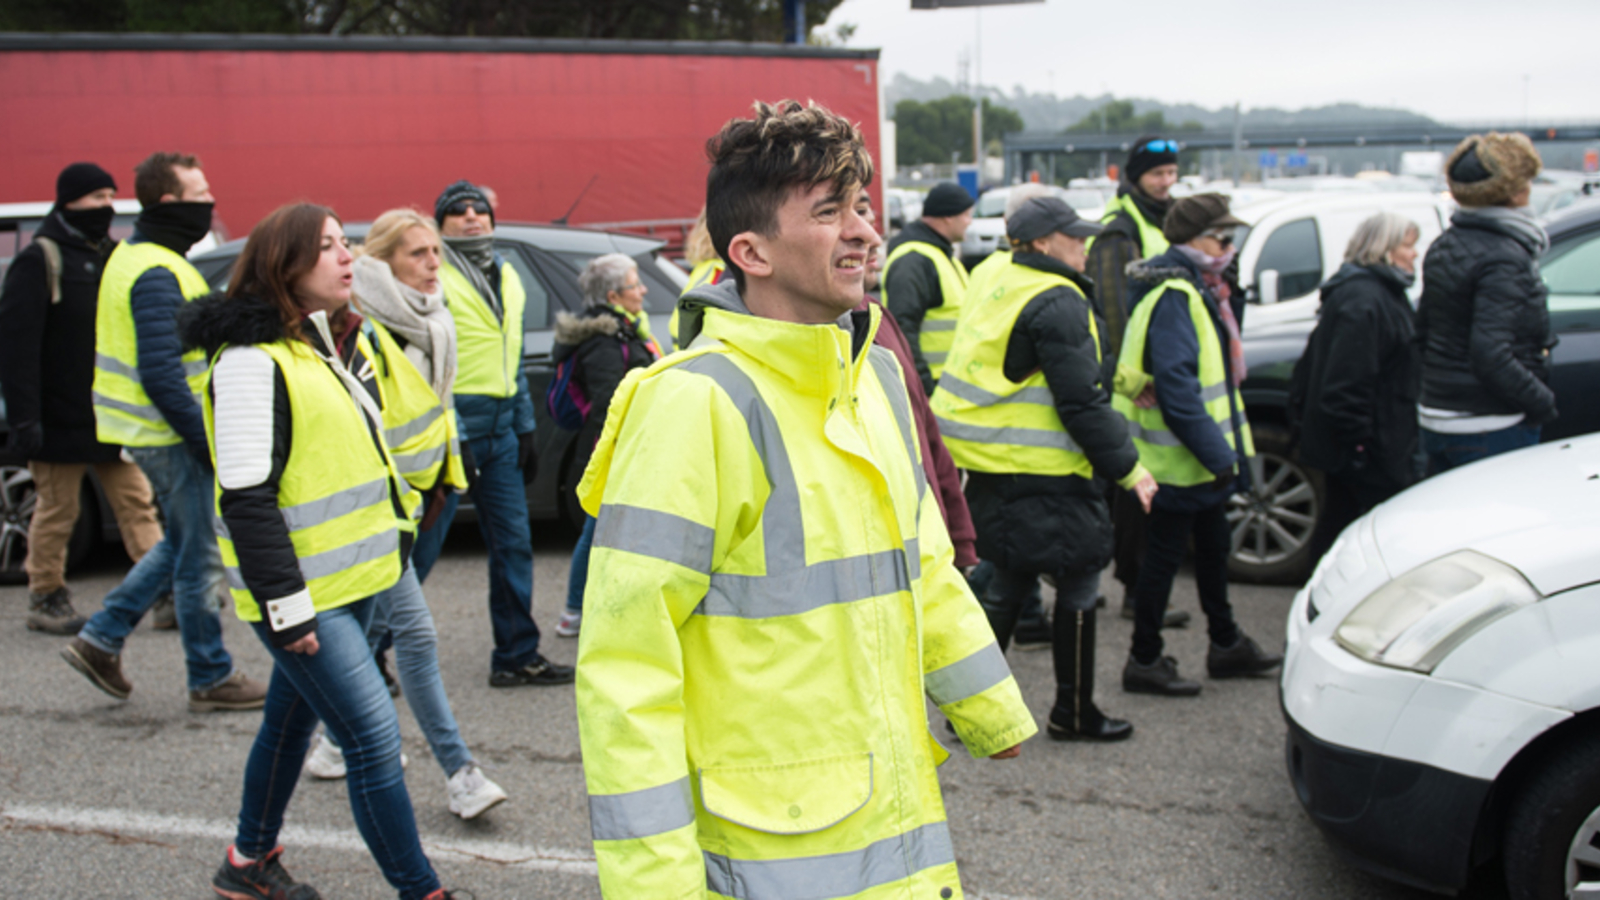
(25, 440)
(527, 460)
(468, 462)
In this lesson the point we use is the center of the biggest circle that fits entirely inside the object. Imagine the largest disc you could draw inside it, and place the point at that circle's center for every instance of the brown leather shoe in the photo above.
(104, 670)
(240, 691)
(53, 613)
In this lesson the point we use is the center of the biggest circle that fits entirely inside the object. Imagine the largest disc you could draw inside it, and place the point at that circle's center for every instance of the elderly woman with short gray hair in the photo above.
(1355, 389)
(609, 336)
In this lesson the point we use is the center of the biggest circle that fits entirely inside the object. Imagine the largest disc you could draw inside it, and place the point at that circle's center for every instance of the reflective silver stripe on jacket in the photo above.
(1212, 392)
(938, 324)
(641, 814)
(325, 509)
(658, 535)
(936, 357)
(978, 396)
(148, 413)
(401, 433)
(191, 367)
(328, 562)
(1163, 437)
(967, 677)
(835, 874)
(1016, 437)
(406, 463)
(791, 587)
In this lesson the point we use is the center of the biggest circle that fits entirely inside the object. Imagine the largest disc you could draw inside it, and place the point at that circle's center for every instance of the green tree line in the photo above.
(929, 132)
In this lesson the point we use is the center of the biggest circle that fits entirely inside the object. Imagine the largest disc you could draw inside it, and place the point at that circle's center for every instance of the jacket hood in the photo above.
(723, 295)
(572, 330)
(215, 320)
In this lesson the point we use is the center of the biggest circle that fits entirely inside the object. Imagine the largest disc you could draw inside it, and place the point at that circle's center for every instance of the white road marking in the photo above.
(513, 856)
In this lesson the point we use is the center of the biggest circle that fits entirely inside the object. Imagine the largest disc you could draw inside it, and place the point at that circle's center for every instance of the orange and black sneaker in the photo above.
(262, 879)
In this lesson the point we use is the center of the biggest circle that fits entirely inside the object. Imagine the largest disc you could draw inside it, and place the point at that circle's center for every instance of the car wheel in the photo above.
(1273, 521)
(1552, 836)
(17, 499)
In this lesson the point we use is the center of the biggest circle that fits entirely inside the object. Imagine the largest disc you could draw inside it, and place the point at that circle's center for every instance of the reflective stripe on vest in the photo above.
(336, 493)
(989, 422)
(1160, 450)
(123, 412)
(643, 813)
(421, 437)
(489, 347)
(939, 323)
(790, 586)
(1151, 241)
(845, 874)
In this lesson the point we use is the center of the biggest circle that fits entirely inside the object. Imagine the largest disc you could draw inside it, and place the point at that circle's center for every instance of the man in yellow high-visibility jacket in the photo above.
(924, 282)
(772, 591)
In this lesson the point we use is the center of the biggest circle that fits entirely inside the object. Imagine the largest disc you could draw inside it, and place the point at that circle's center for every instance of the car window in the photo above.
(536, 314)
(660, 296)
(1573, 268)
(1294, 252)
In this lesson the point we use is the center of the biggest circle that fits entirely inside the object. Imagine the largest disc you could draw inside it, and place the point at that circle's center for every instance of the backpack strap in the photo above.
(52, 265)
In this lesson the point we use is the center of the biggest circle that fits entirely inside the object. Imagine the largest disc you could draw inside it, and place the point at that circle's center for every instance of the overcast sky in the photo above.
(1450, 59)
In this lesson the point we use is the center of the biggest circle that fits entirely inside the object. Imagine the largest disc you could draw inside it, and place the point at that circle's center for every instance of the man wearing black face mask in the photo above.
(47, 310)
(146, 397)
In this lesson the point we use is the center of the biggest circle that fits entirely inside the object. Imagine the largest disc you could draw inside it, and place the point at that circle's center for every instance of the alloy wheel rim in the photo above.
(1274, 519)
(17, 499)
(1583, 860)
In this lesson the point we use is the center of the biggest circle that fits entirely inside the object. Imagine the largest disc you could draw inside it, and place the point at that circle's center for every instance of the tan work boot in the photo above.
(240, 691)
(104, 670)
(53, 613)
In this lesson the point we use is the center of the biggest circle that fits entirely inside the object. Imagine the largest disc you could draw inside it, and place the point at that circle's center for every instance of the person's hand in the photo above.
(527, 459)
(1147, 397)
(1008, 753)
(25, 440)
(1145, 489)
(307, 645)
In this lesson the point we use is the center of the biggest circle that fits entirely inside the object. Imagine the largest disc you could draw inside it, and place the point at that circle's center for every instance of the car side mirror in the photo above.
(1267, 286)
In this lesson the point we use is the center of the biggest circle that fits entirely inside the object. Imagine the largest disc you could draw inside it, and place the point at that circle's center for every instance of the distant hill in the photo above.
(1047, 112)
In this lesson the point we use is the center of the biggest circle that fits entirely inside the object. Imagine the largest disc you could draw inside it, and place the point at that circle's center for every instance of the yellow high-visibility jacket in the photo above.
(771, 595)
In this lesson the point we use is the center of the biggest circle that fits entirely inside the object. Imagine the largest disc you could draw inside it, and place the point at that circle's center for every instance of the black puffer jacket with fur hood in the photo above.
(605, 345)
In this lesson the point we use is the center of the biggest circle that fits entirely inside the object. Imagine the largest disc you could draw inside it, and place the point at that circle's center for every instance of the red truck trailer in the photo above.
(364, 124)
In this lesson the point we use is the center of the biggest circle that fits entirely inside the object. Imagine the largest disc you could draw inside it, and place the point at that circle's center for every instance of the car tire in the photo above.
(17, 499)
(1273, 521)
(1552, 834)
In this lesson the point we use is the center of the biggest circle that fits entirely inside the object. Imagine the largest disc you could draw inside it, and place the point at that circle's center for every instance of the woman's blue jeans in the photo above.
(578, 573)
(1452, 451)
(340, 685)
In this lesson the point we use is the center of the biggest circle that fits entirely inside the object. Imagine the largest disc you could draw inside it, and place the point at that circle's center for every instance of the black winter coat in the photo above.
(47, 351)
(605, 345)
(1483, 324)
(1357, 384)
(1054, 523)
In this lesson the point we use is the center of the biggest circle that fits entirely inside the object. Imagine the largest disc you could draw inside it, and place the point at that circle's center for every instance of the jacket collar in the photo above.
(1055, 266)
(923, 232)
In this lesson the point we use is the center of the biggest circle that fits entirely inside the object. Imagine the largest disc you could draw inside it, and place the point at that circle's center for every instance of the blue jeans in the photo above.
(425, 552)
(403, 612)
(578, 574)
(341, 686)
(186, 562)
(1452, 451)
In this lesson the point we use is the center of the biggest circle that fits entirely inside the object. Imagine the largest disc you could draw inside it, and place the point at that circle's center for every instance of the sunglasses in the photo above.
(460, 207)
(1162, 147)
(1224, 238)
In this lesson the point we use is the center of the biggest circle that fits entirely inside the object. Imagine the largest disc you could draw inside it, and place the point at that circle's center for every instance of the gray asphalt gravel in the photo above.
(101, 799)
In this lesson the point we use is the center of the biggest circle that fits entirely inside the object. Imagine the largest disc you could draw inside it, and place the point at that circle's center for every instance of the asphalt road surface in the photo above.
(101, 799)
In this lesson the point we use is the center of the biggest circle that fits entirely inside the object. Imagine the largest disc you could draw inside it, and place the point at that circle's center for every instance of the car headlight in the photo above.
(1414, 621)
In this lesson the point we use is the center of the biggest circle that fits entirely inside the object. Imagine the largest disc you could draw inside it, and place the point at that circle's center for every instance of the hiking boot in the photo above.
(240, 691)
(1160, 677)
(104, 670)
(472, 793)
(164, 615)
(1033, 634)
(264, 879)
(1175, 618)
(540, 671)
(569, 624)
(53, 613)
(1244, 658)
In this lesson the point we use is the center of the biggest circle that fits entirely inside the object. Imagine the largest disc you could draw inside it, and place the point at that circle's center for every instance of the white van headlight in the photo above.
(1414, 621)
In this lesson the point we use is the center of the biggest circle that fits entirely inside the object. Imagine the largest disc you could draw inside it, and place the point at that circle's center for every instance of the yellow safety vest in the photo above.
(1168, 460)
(336, 493)
(752, 705)
(1151, 241)
(420, 432)
(989, 422)
(981, 280)
(939, 324)
(708, 272)
(123, 412)
(489, 347)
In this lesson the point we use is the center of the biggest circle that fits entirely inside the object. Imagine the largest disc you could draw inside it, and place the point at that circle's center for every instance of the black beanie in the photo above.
(80, 180)
(947, 199)
(1142, 158)
(461, 190)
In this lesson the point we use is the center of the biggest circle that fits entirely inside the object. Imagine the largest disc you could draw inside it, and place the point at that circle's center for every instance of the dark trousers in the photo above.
(1167, 537)
(1347, 496)
(1128, 527)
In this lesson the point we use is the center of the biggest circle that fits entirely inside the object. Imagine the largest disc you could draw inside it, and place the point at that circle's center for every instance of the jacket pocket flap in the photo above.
(789, 798)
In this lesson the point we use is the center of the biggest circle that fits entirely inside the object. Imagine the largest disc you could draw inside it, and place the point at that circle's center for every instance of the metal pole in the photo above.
(1238, 143)
(977, 97)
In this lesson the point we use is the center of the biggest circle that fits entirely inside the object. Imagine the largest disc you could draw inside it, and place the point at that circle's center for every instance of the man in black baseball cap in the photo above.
(924, 281)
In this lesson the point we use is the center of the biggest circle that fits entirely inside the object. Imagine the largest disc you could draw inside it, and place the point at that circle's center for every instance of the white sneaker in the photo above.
(472, 793)
(568, 626)
(326, 760)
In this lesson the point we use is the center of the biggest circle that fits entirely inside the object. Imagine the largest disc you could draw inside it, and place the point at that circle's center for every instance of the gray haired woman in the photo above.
(609, 336)
(1355, 389)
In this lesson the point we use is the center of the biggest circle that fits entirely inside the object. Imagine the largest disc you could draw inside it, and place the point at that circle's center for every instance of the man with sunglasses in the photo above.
(1183, 337)
(495, 408)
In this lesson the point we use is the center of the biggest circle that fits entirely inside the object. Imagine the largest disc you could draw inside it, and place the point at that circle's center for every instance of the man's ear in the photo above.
(748, 251)
(168, 198)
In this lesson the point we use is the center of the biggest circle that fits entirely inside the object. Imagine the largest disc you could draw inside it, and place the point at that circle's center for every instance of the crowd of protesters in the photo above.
(1072, 402)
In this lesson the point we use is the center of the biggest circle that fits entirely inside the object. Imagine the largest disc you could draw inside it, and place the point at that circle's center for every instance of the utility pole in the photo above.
(977, 95)
(1238, 143)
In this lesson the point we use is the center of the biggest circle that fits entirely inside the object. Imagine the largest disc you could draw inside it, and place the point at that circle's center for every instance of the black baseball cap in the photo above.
(1045, 215)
